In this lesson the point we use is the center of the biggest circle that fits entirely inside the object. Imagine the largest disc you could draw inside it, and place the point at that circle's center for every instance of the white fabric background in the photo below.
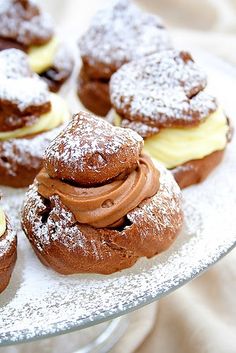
(200, 317)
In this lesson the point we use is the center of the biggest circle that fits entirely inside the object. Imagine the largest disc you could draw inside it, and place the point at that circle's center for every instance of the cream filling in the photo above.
(58, 114)
(41, 57)
(175, 146)
(3, 223)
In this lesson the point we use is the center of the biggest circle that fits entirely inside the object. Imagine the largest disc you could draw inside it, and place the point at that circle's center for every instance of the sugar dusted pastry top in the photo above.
(162, 90)
(91, 151)
(22, 21)
(119, 33)
(21, 91)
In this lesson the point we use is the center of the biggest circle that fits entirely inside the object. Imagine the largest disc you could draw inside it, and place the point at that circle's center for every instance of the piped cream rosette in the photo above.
(176, 146)
(58, 114)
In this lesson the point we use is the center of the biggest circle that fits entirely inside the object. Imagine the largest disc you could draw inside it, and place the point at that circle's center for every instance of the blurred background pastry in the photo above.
(30, 117)
(24, 26)
(119, 33)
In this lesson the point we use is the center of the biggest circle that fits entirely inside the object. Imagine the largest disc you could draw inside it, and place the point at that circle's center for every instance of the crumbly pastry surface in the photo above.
(22, 21)
(119, 33)
(7, 255)
(162, 90)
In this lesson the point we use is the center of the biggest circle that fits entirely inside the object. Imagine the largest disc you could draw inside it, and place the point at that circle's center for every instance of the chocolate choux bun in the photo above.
(163, 98)
(25, 27)
(8, 251)
(30, 117)
(119, 33)
(99, 203)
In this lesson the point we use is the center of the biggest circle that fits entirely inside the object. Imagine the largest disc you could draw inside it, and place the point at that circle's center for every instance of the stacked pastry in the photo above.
(23, 26)
(119, 33)
(163, 98)
(99, 203)
(30, 116)
(7, 250)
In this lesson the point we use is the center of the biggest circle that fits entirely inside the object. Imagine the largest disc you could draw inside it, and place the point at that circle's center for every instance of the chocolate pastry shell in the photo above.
(94, 94)
(7, 258)
(21, 159)
(196, 171)
(69, 247)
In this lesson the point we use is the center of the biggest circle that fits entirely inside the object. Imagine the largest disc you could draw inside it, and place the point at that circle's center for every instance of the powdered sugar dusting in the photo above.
(24, 93)
(18, 25)
(162, 89)
(19, 86)
(121, 32)
(14, 64)
(89, 136)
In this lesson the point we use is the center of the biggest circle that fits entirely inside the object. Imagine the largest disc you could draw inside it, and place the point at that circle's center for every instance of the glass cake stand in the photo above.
(39, 303)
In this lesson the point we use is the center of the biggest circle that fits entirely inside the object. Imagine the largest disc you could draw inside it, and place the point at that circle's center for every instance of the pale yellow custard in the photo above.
(175, 146)
(3, 223)
(41, 57)
(58, 114)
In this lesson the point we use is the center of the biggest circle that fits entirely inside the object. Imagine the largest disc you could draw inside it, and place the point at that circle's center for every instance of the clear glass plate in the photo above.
(40, 303)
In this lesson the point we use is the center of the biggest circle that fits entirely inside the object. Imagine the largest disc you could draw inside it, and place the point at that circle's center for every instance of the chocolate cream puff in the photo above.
(8, 251)
(99, 203)
(30, 117)
(119, 33)
(163, 98)
(23, 26)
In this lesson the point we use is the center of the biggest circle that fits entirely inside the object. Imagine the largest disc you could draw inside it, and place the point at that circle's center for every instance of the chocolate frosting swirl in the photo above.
(106, 205)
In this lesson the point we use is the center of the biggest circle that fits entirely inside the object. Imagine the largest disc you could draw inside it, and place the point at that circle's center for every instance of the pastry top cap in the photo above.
(21, 91)
(119, 33)
(90, 151)
(23, 22)
(162, 90)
